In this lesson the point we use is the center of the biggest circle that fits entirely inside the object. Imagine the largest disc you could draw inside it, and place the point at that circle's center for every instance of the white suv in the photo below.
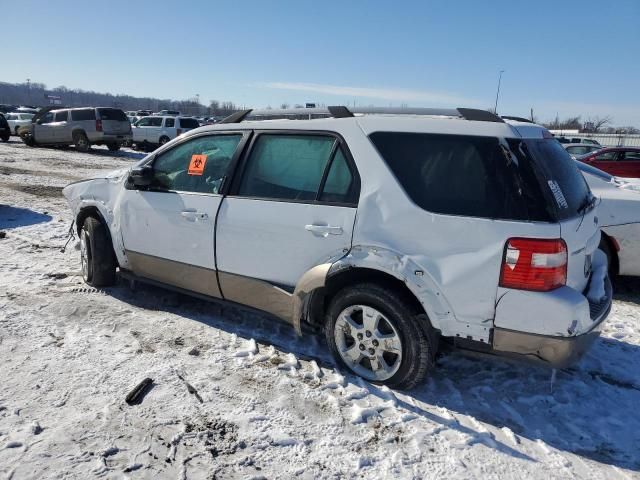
(387, 231)
(149, 132)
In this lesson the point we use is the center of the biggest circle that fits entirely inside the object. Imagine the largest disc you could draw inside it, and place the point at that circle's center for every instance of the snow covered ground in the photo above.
(225, 403)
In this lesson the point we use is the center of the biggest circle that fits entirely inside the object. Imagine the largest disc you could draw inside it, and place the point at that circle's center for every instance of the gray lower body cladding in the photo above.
(553, 351)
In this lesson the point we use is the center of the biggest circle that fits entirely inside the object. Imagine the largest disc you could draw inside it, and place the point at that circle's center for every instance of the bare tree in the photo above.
(284, 106)
(598, 123)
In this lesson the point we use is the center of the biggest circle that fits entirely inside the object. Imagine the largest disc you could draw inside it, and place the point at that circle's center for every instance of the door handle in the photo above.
(193, 215)
(323, 230)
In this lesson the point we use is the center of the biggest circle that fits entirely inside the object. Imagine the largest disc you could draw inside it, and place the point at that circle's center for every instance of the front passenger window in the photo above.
(198, 165)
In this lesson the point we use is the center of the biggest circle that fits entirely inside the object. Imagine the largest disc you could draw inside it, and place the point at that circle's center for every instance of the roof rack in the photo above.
(345, 112)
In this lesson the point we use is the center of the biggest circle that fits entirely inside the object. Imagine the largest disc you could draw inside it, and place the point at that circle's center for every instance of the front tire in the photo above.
(81, 142)
(5, 138)
(373, 332)
(96, 254)
(113, 147)
(163, 140)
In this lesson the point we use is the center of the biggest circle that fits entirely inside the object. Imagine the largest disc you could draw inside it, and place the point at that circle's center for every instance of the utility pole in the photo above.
(495, 109)
(29, 91)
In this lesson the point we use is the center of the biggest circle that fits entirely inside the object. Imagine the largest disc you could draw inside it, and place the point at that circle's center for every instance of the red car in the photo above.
(617, 161)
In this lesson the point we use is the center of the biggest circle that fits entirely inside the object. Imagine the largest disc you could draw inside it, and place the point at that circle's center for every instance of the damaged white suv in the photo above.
(388, 231)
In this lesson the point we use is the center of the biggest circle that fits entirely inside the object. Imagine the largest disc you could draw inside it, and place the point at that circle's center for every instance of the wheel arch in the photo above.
(611, 244)
(93, 211)
(318, 286)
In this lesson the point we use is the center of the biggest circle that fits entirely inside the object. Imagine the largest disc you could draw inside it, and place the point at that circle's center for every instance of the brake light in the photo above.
(534, 264)
(98, 125)
(178, 132)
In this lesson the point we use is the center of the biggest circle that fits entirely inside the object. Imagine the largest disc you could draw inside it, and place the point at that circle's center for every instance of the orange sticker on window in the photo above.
(196, 166)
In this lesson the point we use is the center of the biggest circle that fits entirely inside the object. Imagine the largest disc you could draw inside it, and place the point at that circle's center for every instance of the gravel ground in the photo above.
(237, 395)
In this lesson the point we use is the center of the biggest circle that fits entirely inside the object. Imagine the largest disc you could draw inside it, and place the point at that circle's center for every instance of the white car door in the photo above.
(168, 228)
(291, 207)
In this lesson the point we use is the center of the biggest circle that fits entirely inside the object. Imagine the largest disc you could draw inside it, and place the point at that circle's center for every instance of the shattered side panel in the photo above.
(103, 194)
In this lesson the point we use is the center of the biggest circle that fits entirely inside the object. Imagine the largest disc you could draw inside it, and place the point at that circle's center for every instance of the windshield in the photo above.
(561, 177)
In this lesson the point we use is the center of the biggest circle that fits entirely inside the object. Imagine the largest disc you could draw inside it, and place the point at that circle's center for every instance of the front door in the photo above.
(169, 228)
(62, 130)
(292, 207)
(43, 129)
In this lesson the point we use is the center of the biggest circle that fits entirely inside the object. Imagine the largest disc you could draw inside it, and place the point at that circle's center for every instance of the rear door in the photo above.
(568, 190)
(629, 164)
(291, 208)
(168, 229)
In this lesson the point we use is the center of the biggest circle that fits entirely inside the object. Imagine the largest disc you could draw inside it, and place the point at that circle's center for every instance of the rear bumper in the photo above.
(111, 138)
(550, 350)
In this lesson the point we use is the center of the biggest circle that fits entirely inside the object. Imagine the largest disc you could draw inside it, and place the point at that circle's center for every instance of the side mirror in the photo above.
(141, 176)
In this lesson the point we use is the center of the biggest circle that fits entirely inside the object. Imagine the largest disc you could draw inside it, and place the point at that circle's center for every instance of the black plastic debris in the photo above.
(136, 395)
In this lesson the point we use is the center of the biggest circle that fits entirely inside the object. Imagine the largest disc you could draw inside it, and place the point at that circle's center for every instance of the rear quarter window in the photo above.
(461, 175)
(84, 114)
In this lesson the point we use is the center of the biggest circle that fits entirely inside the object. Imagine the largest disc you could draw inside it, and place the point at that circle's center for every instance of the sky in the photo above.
(566, 58)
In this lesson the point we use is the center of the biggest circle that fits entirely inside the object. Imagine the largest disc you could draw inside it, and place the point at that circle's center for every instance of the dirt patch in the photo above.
(37, 190)
(220, 437)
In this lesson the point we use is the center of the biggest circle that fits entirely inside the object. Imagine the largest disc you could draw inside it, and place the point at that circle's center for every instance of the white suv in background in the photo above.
(149, 132)
(386, 231)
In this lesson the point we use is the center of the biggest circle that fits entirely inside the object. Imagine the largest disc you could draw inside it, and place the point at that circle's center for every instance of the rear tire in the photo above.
(96, 254)
(373, 331)
(81, 142)
(5, 137)
(163, 140)
(113, 147)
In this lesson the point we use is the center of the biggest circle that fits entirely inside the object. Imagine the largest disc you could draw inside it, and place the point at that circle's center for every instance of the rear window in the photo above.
(84, 114)
(463, 175)
(189, 123)
(112, 114)
(562, 178)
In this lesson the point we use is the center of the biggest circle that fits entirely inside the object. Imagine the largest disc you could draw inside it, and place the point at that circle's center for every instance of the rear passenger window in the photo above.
(169, 122)
(286, 167)
(62, 116)
(84, 114)
(340, 186)
(198, 165)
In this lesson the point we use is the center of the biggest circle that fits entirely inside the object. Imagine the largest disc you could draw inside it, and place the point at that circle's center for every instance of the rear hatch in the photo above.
(572, 204)
(187, 124)
(114, 121)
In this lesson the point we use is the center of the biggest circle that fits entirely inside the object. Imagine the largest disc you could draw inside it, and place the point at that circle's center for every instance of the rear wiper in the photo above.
(587, 204)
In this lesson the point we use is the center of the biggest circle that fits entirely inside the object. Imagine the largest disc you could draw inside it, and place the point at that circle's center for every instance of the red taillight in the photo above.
(178, 132)
(98, 125)
(534, 264)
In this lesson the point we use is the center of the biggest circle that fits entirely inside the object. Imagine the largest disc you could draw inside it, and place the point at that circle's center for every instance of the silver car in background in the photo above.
(82, 127)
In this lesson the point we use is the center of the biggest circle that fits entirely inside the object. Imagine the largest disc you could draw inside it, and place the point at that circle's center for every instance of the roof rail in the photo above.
(517, 119)
(345, 112)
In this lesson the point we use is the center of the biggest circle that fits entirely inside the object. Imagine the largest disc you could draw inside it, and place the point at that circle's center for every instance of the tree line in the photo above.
(38, 95)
